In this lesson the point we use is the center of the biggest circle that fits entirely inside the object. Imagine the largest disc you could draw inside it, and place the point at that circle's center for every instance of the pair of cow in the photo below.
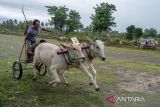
(75, 56)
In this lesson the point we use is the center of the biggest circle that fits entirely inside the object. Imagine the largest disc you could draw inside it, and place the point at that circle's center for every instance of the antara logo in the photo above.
(112, 99)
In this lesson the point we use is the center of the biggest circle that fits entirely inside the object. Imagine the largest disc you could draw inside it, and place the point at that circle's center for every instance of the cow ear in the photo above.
(103, 42)
(91, 41)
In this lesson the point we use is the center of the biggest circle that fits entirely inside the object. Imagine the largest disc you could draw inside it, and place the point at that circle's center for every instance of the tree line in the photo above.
(13, 25)
(67, 21)
(133, 32)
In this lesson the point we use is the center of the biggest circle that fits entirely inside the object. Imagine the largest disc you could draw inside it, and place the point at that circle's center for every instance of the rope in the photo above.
(65, 57)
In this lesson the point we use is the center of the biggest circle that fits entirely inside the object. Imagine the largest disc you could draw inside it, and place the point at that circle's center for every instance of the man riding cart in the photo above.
(30, 40)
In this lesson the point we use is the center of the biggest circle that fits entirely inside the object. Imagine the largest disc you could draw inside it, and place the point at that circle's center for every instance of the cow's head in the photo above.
(74, 52)
(97, 49)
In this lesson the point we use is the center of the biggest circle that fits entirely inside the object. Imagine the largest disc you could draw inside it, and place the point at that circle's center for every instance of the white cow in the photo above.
(46, 53)
(59, 65)
(92, 50)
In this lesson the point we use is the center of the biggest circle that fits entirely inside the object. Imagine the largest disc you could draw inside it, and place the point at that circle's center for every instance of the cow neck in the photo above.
(70, 60)
(89, 53)
(67, 57)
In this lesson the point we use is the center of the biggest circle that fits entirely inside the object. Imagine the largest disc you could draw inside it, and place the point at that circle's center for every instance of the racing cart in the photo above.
(21, 64)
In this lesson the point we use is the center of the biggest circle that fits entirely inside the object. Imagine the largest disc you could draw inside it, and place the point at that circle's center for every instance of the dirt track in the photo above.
(132, 81)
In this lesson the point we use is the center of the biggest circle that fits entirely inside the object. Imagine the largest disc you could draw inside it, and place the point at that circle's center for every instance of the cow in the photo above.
(95, 49)
(47, 54)
(91, 50)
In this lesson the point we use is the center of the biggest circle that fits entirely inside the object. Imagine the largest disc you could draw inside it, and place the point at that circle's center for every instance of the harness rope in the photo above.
(69, 62)
(88, 53)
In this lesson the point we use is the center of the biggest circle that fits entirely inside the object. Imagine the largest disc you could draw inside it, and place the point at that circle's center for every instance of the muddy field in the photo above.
(125, 73)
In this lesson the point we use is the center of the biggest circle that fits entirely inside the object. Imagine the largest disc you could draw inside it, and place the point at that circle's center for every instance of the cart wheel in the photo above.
(17, 70)
(42, 69)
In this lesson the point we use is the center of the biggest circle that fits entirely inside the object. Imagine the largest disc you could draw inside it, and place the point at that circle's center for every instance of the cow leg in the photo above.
(55, 77)
(94, 73)
(85, 70)
(35, 72)
(52, 79)
(65, 80)
(61, 74)
(34, 69)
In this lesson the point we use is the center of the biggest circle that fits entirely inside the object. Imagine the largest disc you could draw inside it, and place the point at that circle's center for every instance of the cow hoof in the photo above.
(97, 89)
(90, 83)
(66, 83)
(54, 85)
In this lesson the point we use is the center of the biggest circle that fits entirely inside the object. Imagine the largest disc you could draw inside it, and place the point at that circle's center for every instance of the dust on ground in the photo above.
(138, 82)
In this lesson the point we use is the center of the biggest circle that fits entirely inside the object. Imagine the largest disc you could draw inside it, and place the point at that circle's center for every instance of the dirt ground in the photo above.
(132, 81)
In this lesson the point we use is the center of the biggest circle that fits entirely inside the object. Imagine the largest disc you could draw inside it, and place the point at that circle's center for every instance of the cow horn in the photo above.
(90, 41)
(64, 45)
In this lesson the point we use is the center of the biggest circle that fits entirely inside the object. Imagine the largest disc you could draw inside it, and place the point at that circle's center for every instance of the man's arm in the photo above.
(46, 30)
(28, 31)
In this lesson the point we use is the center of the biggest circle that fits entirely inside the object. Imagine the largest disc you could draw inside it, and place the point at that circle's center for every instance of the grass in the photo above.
(154, 54)
(137, 65)
(26, 93)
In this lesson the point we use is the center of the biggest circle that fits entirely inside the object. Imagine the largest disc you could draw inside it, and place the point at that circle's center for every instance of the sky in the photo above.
(141, 13)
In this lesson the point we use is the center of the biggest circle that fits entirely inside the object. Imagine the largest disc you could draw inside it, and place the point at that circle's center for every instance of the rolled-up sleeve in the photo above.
(29, 30)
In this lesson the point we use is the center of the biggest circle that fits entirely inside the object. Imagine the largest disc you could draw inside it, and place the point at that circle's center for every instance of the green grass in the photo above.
(137, 65)
(136, 52)
(28, 93)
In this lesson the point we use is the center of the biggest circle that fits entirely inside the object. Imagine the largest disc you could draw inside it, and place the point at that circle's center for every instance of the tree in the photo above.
(88, 28)
(130, 32)
(150, 32)
(58, 16)
(15, 21)
(73, 22)
(138, 33)
(42, 24)
(46, 24)
(4, 23)
(21, 25)
(103, 20)
(11, 23)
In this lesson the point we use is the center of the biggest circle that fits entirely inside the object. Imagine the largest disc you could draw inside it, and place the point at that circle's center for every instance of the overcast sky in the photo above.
(142, 13)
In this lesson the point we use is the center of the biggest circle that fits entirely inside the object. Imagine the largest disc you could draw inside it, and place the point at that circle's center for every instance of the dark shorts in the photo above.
(30, 42)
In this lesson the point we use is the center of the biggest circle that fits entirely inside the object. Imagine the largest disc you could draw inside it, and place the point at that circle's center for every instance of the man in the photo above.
(30, 39)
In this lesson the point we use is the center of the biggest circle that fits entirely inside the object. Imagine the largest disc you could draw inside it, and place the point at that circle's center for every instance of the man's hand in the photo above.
(46, 30)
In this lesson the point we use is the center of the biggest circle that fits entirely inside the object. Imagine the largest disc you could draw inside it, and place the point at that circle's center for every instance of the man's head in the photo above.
(36, 24)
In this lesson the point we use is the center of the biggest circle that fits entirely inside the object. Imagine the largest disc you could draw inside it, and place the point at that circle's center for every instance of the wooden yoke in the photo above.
(75, 40)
